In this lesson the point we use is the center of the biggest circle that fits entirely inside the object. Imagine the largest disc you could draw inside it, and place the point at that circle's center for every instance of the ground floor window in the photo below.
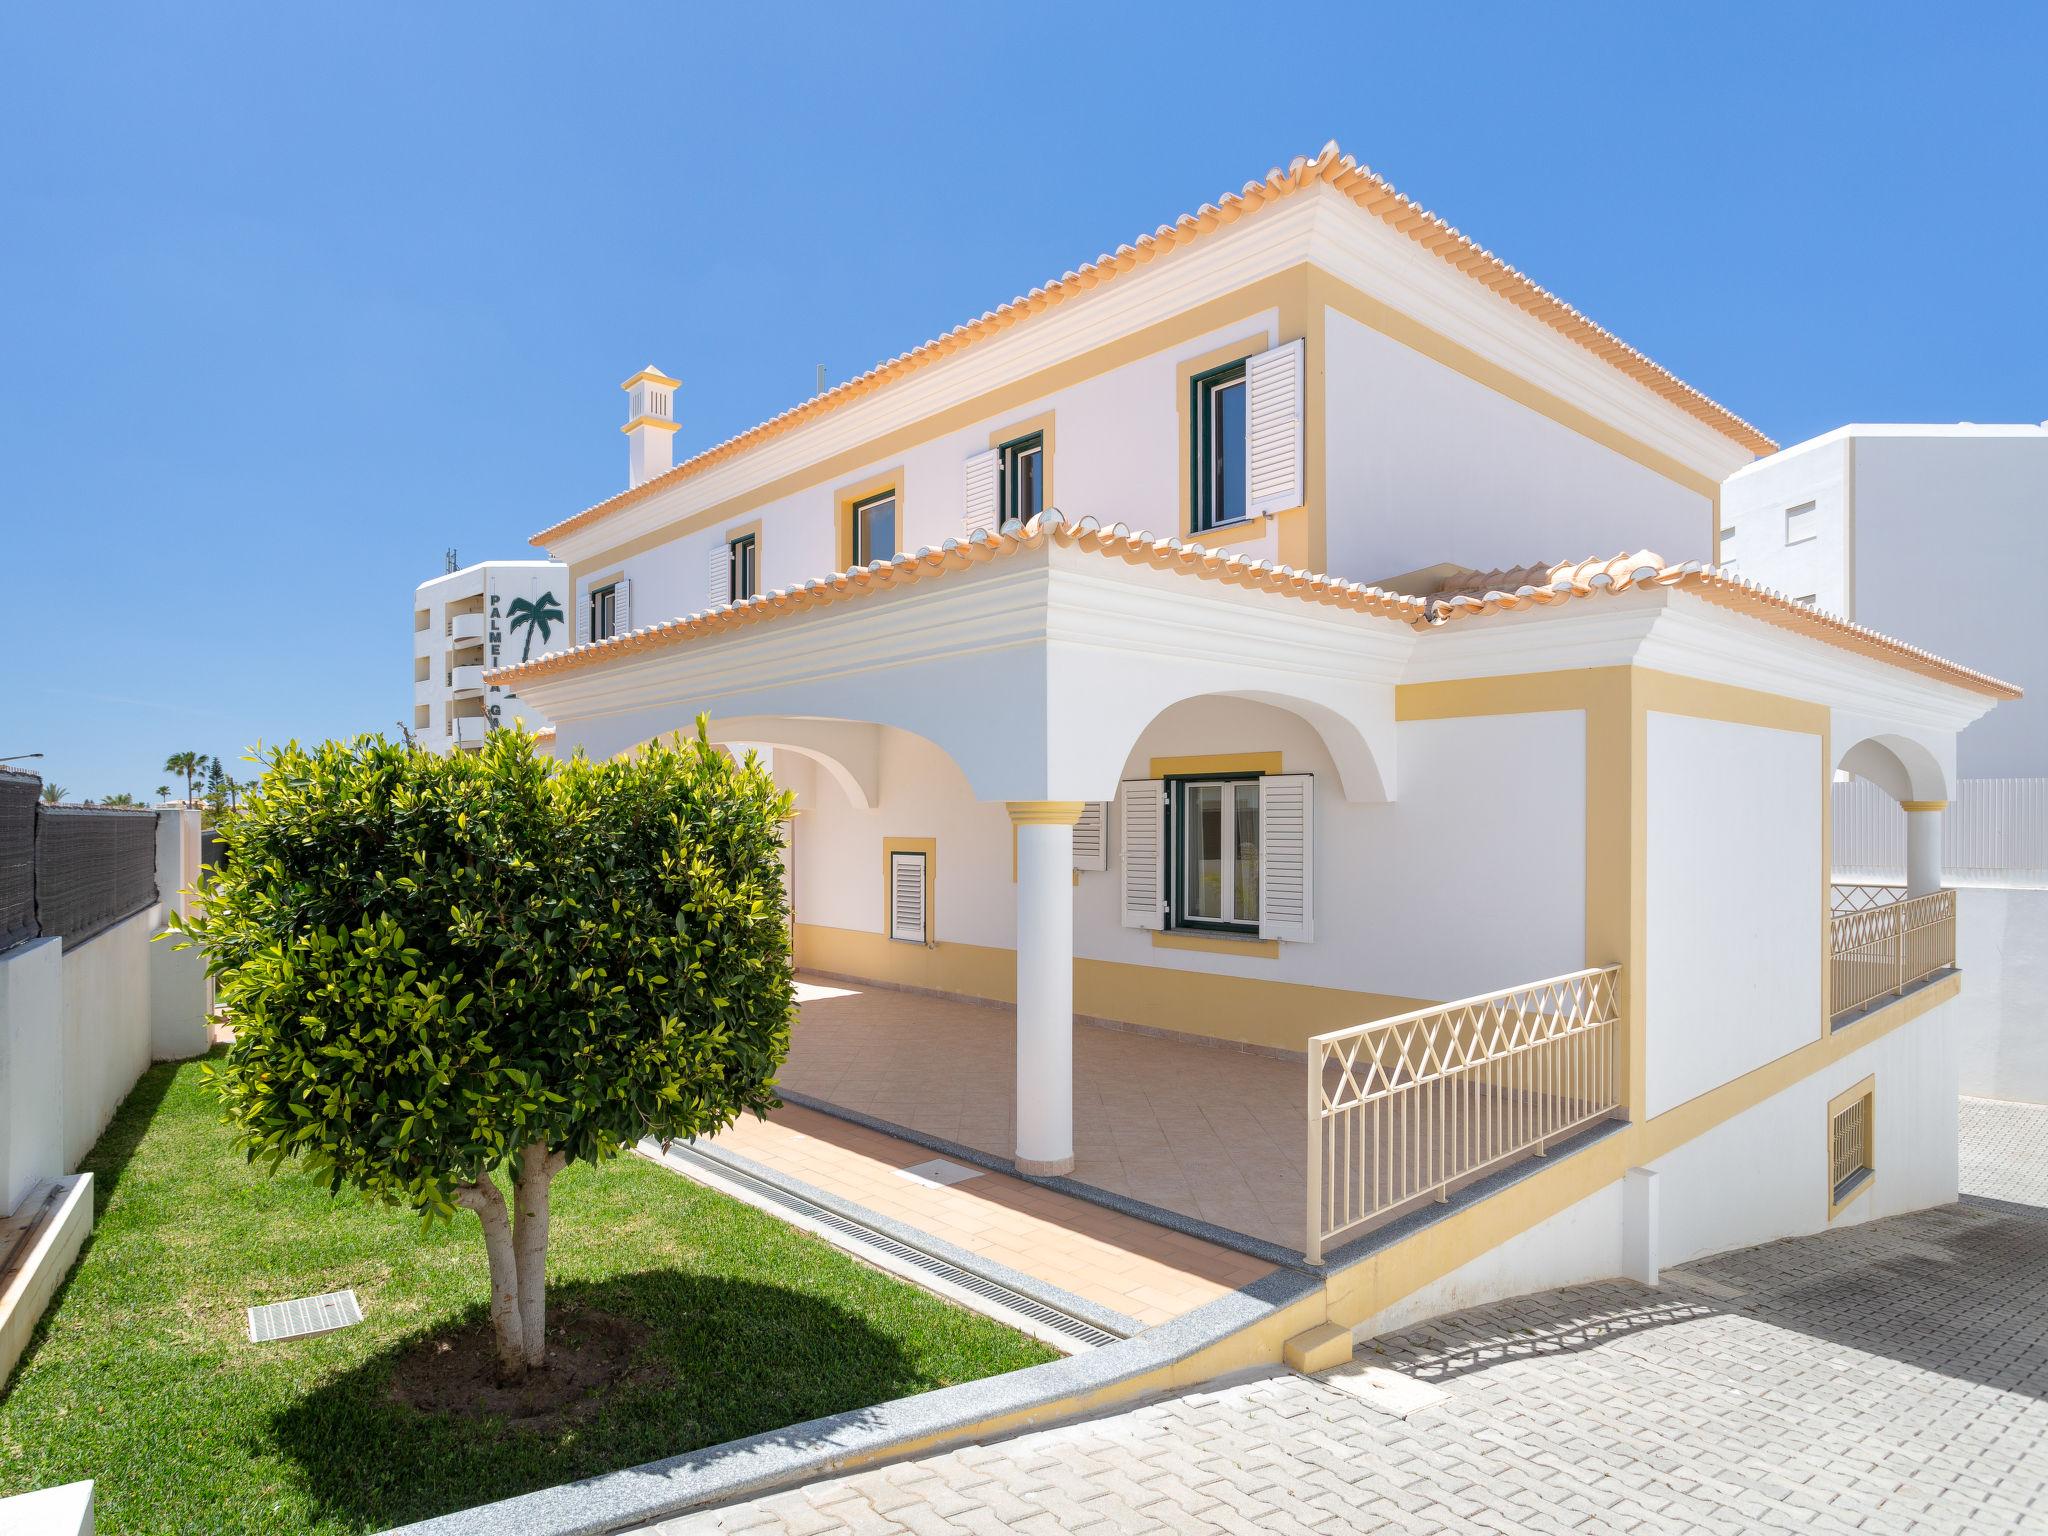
(1214, 881)
(1851, 1144)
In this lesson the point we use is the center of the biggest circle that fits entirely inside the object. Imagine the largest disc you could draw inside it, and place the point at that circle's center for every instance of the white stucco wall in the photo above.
(1733, 902)
(104, 1022)
(1116, 456)
(1398, 909)
(1763, 1174)
(2002, 1014)
(1425, 465)
(31, 1068)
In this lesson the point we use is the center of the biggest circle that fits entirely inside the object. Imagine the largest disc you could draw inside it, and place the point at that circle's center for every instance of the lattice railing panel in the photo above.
(1881, 950)
(1404, 1108)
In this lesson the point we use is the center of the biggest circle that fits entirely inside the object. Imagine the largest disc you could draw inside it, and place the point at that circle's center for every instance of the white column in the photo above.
(1923, 846)
(1045, 983)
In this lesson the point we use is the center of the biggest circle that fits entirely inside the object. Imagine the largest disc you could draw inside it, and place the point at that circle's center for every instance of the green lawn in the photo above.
(142, 1376)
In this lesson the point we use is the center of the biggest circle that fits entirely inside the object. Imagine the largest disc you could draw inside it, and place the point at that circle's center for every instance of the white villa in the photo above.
(1199, 656)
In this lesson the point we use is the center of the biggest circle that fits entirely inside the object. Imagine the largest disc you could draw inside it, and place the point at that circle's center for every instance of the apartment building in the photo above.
(493, 614)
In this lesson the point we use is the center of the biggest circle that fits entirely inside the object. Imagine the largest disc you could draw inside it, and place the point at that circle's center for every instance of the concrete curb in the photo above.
(1042, 1291)
(659, 1490)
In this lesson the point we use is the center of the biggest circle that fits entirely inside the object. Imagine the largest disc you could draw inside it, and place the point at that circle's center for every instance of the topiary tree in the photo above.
(441, 967)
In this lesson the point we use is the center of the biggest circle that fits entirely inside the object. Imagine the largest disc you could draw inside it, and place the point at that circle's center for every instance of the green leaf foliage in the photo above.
(431, 961)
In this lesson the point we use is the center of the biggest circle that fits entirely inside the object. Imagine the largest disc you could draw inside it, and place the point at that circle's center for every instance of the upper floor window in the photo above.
(874, 528)
(1023, 477)
(604, 612)
(744, 557)
(1219, 447)
(1801, 524)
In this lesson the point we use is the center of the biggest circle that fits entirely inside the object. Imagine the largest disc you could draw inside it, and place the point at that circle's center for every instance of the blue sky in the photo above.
(297, 297)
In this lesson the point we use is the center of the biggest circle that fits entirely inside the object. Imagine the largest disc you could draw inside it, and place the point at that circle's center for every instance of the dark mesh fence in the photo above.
(19, 793)
(94, 866)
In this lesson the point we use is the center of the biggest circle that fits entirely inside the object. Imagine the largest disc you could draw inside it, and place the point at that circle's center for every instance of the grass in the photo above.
(142, 1377)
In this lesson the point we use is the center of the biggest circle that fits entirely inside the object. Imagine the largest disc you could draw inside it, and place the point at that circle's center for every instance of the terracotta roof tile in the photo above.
(1587, 578)
(1360, 183)
(1117, 542)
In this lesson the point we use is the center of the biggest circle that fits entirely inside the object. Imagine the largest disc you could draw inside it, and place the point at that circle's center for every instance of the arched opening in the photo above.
(1889, 796)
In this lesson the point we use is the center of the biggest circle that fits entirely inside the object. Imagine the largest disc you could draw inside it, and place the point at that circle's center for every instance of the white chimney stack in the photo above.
(650, 423)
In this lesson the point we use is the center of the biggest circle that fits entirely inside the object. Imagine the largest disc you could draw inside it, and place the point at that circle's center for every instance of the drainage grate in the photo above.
(302, 1318)
(1062, 1323)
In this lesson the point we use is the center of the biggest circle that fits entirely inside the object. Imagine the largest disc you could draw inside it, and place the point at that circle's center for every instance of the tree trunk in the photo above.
(536, 1170)
(488, 1202)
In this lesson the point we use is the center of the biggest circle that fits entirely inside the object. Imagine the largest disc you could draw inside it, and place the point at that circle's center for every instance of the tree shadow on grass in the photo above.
(726, 1358)
(110, 1156)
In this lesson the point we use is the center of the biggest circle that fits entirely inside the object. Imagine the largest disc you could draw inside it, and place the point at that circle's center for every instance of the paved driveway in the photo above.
(1891, 1377)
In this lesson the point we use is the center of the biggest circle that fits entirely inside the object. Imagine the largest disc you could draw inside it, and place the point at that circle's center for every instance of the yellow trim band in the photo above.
(649, 421)
(1214, 762)
(652, 376)
(1045, 813)
(1923, 805)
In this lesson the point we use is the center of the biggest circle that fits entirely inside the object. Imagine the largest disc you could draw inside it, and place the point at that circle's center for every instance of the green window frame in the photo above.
(744, 579)
(1217, 473)
(1213, 889)
(604, 611)
(866, 546)
(1021, 464)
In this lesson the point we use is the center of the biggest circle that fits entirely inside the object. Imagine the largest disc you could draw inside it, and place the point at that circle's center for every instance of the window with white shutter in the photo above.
(583, 620)
(622, 616)
(1144, 845)
(718, 588)
(1091, 837)
(1287, 824)
(908, 905)
(1273, 407)
(983, 493)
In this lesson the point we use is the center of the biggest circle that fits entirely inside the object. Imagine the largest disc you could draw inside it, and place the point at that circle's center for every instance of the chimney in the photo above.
(650, 423)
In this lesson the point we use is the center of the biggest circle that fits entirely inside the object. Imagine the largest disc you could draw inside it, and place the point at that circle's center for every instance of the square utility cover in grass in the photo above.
(143, 1377)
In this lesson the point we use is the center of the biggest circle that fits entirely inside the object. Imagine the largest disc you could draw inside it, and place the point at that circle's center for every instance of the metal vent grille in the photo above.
(304, 1317)
(1062, 1323)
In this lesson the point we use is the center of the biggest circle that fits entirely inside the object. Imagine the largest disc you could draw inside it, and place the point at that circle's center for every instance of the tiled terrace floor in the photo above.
(1132, 1266)
(1203, 1130)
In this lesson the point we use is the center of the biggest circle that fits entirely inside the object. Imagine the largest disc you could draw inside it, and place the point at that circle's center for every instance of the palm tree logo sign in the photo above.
(541, 613)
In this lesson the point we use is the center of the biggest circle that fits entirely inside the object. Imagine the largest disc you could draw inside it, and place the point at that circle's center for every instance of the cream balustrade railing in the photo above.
(1407, 1109)
(1882, 948)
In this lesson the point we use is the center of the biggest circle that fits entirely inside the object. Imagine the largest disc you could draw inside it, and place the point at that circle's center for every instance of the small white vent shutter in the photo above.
(1091, 837)
(907, 898)
(719, 589)
(984, 493)
(1287, 872)
(1272, 429)
(1144, 835)
(622, 608)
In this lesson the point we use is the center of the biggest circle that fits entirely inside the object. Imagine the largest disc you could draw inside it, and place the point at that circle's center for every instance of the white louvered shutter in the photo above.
(1272, 429)
(719, 588)
(1144, 837)
(984, 493)
(622, 608)
(583, 619)
(1091, 837)
(1287, 873)
(907, 898)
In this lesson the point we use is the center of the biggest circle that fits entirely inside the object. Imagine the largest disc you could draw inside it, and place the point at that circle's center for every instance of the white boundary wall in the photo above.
(78, 1027)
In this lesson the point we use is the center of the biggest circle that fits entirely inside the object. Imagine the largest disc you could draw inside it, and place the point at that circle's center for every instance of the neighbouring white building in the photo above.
(488, 615)
(1889, 526)
(1203, 644)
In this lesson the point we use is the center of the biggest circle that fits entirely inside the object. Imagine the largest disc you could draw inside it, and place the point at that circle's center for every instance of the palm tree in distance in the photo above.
(163, 791)
(121, 799)
(53, 793)
(542, 613)
(190, 764)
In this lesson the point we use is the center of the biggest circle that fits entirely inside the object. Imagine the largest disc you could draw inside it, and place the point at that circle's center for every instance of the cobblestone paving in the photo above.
(1891, 1377)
